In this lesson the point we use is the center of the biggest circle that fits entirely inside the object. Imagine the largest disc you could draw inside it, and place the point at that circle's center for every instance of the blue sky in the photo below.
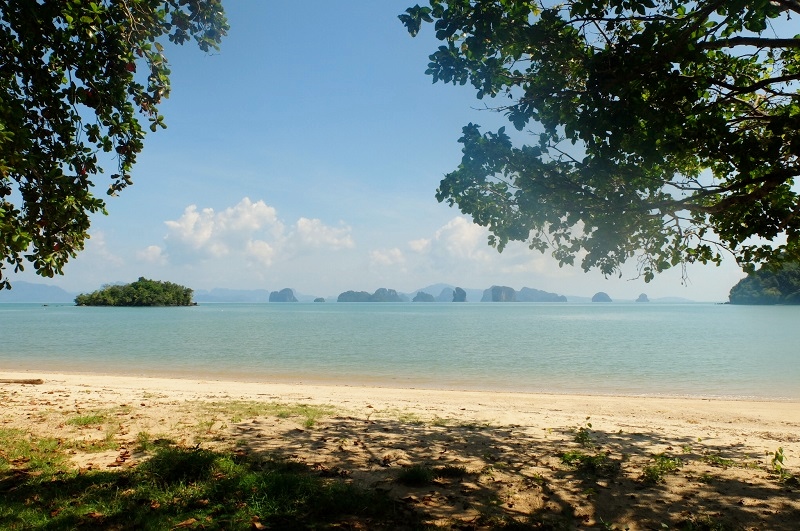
(306, 154)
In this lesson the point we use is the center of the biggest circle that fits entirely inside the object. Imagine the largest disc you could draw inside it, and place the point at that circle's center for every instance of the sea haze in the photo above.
(702, 350)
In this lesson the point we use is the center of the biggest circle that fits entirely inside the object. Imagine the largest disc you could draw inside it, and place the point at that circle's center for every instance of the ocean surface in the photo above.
(701, 350)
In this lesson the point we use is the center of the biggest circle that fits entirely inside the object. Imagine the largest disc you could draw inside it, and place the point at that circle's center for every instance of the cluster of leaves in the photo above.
(663, 131)
(143, 292)
(77, 78)
(771, 284)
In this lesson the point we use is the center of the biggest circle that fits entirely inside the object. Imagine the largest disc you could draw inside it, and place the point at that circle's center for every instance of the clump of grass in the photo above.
(90, 419)
(718, 461)
(598, 464)
(450, 471)
(704, 522)
(410, 418)
(310, 414)
(416, 476)
(661, 466)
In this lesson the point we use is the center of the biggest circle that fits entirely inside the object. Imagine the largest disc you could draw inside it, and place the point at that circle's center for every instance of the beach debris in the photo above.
(22, 381)
(124, 455)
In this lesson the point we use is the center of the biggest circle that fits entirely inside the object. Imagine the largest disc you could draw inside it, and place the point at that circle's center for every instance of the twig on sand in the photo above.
(33, 381)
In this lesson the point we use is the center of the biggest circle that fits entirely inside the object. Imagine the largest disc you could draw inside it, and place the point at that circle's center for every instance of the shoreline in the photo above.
(374, 383)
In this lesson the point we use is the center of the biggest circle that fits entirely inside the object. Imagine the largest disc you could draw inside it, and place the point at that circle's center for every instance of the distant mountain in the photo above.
(32, 292)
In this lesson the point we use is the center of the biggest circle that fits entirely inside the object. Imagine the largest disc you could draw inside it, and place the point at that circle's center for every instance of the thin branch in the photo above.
(735, 89)
(789, 5)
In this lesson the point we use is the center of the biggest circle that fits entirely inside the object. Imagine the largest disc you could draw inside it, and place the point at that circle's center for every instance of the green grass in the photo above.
(90, 419)
(38, 456)
(208, 489)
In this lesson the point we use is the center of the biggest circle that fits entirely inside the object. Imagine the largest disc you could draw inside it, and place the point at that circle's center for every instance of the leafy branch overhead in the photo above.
(77, 80)
(661, 131)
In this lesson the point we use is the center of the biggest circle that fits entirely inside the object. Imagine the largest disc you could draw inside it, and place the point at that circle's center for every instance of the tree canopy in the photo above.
(661, 131)
(143, 292)
(77, 79)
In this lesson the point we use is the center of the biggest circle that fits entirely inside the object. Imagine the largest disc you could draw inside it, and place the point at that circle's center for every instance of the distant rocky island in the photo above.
(143, 292)
(507, 294)
(601, 296)
(493, 294)
(284, 295)
(771, 284)
(380, 295)
(421, 296)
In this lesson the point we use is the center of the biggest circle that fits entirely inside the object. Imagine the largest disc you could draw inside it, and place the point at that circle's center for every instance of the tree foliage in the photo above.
(77, 79)
(143, 292)
(771, 284)
(662, 131)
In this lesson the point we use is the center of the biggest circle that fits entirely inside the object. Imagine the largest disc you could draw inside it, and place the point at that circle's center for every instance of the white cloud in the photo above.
(313, 233)
(152, 254)
(463, 239)
(97, 249)
(423, 245)
(389, 257)
(213, 234)
(260, 252)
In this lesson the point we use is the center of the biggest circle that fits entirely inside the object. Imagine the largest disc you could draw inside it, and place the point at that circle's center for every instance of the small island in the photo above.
(771, 284)
(143, 292)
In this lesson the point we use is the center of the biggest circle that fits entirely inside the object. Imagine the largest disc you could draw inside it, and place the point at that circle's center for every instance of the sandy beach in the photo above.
(579, 461)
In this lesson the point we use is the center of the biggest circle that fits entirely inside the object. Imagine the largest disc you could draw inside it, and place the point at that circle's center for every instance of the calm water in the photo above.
(641, 349)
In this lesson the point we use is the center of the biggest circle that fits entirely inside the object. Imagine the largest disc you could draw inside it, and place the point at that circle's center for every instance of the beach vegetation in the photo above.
(78, 80)
(665, 133)
(88, 419)
(597, 464)
(717, 460)
(236, 411)
(37, 455)
(143, 292)
(415, 476)
(583, 434)
(185, 488)
(778, 468)
(661, 465)
(411, 418)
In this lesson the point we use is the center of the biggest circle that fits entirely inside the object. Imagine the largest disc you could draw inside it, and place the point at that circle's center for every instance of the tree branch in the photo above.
(757, 42)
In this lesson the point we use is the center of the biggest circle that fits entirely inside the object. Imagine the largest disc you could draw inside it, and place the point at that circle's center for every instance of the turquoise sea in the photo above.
(702, 350)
